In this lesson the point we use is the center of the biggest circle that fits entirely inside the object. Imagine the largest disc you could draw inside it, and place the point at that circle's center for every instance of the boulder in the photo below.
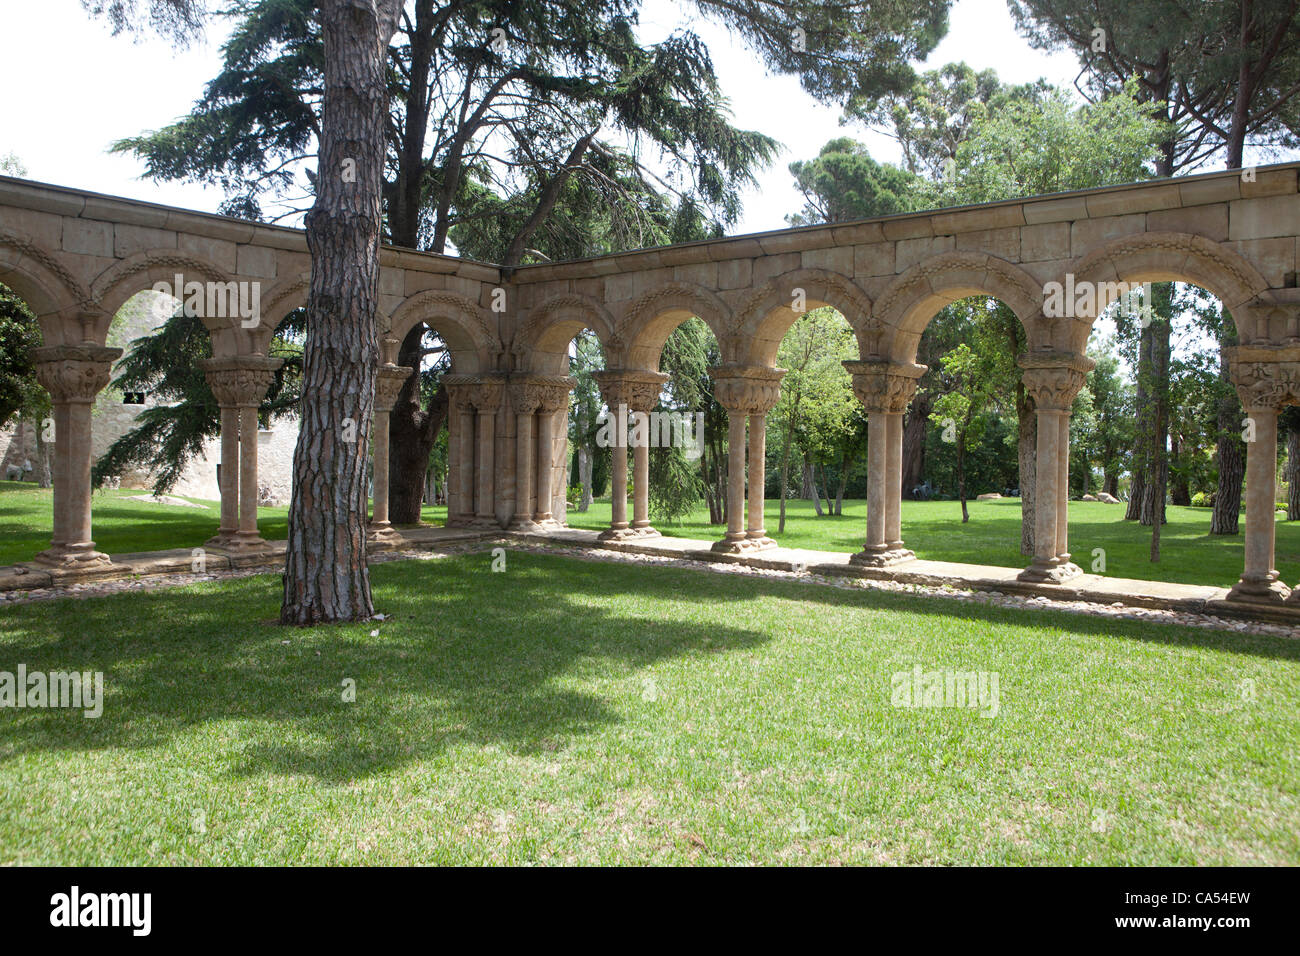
(1088, 498)
(989, 497)
(1107, 499)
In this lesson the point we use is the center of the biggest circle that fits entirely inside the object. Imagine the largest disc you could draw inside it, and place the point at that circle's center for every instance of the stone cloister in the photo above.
(76, 257)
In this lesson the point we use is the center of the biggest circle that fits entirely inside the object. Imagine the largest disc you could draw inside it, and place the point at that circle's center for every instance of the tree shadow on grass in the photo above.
(465, 657)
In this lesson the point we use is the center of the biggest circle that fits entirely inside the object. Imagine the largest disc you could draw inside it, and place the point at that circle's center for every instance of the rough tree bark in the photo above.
(1292, 465)
(1027, 452)
(1142, 436)
(1229, 454)
(326, 577)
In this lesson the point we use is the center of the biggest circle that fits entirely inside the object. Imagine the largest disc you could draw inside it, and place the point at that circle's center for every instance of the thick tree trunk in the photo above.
(326, 577)
(1027, 452)
(914, 428)
(408, 451)
(584, 478)
(1293, 468)
(810, 485)
(1153, 498)
(1231, 457)
(961, 478)
(1142, 438)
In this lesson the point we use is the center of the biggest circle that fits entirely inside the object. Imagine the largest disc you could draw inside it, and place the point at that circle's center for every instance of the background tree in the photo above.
(1222, 74)
(527, 147)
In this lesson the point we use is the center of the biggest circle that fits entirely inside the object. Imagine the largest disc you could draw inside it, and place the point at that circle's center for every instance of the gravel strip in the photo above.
(995, 598)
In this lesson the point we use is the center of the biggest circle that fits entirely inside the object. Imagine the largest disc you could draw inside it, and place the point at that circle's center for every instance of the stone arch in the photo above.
(282, 299)
(461, 322)
(1166, 257)
(767, 314)
(908, 304)
(138, 273)
(542, 342)
(648, 321)
(52, 293)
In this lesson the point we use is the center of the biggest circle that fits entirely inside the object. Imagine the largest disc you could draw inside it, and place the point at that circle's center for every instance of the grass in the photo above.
(122, 525)
(570, 712)
(933, 529)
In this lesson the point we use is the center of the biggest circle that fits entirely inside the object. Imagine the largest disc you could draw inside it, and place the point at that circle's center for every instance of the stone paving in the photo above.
(1190, 605)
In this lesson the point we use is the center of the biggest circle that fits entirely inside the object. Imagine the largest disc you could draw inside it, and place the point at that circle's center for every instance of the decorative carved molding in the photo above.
(638, 390)
(1053, 379)
(833, 286)
(700, 302)
(466, 313)
(1267, 377)
(32, 251)
(74, 373)
(388, 385)
(1178, 244)
(884, 386)
(905, 287)
(240, 380)
(751, 389)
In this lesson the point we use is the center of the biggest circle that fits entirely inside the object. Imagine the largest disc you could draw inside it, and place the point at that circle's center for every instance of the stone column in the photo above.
(1052, 379)
(486, 398)
(553, 395)
(629, 394)
(73, 375)
(1267, 378)
(524, 400)
(764, 396)
(747, 392)
(885, 388)
(388, 385)
(239, 383)
(460, 451)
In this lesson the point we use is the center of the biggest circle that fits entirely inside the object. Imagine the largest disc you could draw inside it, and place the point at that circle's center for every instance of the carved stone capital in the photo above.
(480, 392)
(74, 373)
(388, 385)
(638, 390)
(885, 386)
(1267, 377)
(546, 393)
(1053, 378)
(240, 380)
(747, 389)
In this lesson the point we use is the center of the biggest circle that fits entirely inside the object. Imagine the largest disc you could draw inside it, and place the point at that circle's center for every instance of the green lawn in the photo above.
(122, 525)
(572, 712)
(933, 529)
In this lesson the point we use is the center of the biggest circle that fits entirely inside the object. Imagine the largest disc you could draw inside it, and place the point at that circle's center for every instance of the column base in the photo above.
(1263, 589)
(644, 530)
(222, 539)
(460, 521)
(882, 557)
(73, 558)
(382, 533)
(1054, 571)
(623, 533)
(523, 525)
(743, 544)
(242, 542)
(547, 523)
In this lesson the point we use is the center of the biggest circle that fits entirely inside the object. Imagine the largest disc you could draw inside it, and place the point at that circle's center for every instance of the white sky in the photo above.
(64, 105)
